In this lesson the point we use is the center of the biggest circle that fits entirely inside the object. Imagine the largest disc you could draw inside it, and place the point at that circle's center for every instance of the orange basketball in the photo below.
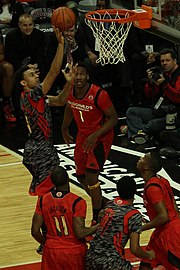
(63, 18)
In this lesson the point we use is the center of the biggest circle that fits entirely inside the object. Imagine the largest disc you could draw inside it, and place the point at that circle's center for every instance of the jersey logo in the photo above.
(59, 194)
(90, 97)
(119, 202)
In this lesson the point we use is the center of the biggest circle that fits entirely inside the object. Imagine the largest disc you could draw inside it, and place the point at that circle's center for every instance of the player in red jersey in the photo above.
(163, 214)
(120, 221)
(64, 215)
(95, 118)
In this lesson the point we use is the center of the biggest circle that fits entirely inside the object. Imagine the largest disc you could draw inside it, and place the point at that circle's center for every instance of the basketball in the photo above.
(63, 18)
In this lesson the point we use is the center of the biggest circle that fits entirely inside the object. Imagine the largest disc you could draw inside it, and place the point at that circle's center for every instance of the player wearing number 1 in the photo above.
(95, 118)
(64, 215)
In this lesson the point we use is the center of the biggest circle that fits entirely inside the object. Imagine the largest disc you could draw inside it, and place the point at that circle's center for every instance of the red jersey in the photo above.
(157, 190)
(170, 88)
(37, 113)
(165, 239)
(58, 210)
(88, 111)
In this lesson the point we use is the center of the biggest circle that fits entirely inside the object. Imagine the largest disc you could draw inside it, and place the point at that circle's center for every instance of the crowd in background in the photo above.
(23, 40)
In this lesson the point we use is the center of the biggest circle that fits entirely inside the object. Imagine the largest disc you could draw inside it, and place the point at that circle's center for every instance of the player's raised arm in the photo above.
(56, 64)
(60, 100)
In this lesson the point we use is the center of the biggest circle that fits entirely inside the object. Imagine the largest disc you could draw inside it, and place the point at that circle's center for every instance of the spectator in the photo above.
(163, 213)
(165, 88)
(95, 117)
(6, 79)
(25, 41)
(64, 215)
(9, 13)
(141, 49)
(25, 44)
(119, 222)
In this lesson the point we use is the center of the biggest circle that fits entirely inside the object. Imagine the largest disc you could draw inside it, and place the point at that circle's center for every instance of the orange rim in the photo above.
(122, 12)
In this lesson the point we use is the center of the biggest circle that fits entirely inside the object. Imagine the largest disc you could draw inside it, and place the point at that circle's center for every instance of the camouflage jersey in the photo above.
(40, 155)
(107, 248)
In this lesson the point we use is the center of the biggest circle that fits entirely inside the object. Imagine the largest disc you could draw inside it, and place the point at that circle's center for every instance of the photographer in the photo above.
(164, 89)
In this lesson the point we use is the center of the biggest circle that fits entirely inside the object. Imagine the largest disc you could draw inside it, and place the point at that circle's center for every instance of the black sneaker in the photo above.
(39, 250)
(140, 137)
(169, 152)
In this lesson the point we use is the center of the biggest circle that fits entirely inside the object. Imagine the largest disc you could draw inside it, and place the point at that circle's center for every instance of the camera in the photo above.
(156, 73)
(171, 116)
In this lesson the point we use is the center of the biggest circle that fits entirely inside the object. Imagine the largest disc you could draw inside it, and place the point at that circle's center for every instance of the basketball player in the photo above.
(119, 222)
(40, 156)
(64, 214)
(163, 213)
(95, 117)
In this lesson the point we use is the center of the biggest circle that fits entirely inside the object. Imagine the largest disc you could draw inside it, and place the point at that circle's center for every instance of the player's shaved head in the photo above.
(154, 161)
(59, 176)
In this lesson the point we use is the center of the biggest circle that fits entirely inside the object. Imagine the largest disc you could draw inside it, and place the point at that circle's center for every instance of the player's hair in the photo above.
(169, 51)
(126, 187)
(155, 162)
(19, 76)
(59, 176)
(83, 65)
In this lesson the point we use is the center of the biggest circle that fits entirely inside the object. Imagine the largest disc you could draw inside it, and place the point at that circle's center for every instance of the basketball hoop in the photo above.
(110, 28)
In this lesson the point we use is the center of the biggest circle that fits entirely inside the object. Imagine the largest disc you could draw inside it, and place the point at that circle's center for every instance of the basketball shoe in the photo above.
(9, 116)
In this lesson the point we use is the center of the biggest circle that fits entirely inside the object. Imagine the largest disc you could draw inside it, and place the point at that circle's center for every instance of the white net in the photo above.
(110, 36)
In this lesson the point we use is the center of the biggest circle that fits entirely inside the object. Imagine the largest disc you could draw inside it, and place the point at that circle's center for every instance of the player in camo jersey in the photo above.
(119, 222)
(40, 156)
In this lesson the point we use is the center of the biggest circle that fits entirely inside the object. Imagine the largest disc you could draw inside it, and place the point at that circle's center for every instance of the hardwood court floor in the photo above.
(17, 247)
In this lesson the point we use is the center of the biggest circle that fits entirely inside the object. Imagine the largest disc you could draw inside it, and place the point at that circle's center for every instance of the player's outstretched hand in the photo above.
(90, 142)
(67, 137)
(59, 35)
(69, 72)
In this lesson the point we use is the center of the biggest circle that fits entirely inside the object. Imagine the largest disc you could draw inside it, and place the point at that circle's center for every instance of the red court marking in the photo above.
(37, 266)
(34, 266)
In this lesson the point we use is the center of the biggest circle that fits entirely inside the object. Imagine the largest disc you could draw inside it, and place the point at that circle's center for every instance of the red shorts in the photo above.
(93, 160)
(43, 188)
(165, 241)
(59, 258)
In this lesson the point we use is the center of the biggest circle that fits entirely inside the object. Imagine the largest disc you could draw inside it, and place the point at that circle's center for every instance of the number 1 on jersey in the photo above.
(81, 116)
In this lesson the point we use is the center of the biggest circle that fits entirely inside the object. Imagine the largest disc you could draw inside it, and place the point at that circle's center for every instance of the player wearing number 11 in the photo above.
(95, 117)
(64, 215)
